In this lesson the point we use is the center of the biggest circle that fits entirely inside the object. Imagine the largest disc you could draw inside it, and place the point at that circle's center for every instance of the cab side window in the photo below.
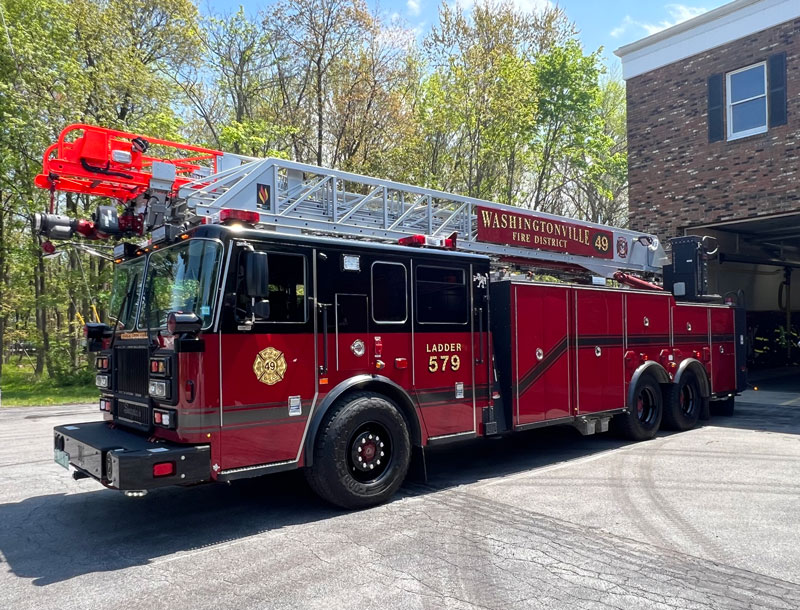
(441, 295)
(389, 293)
(287, 288)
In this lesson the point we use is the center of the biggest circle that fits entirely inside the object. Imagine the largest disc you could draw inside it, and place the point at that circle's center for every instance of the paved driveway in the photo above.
(703, 519)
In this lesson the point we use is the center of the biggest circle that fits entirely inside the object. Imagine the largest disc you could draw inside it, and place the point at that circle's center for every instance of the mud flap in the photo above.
(417, 469)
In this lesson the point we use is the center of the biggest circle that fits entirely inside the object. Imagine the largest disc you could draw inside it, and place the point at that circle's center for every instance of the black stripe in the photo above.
(529, 378)
(691, 339)
(648, 340)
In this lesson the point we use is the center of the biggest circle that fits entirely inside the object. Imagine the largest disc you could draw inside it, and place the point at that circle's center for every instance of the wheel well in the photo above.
(690, 364)
(399, 398)
(367, 383)
(648, 369)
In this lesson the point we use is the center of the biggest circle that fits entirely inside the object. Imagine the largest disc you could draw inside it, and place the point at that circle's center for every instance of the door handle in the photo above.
(479, 311)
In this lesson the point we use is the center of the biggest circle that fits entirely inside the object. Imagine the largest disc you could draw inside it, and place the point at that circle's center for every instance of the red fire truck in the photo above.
(285, 316)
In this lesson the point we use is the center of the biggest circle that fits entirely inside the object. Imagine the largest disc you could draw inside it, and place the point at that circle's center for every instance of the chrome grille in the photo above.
(131, 365)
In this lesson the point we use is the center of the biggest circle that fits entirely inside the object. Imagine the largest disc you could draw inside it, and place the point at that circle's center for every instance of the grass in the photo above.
(20, 389)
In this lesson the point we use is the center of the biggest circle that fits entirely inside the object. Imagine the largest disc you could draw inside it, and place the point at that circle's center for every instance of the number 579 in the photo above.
(453, 361)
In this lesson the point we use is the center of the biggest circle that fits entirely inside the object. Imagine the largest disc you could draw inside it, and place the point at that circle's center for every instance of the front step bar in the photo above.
(123, 460)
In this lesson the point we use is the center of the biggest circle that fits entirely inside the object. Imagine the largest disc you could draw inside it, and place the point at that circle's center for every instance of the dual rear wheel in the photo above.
(676, 406)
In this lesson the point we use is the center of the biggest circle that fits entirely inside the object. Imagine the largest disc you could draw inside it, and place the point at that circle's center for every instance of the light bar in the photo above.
(247, 216)
(428, 240)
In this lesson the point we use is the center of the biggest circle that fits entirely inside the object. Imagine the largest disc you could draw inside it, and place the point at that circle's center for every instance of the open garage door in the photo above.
(758, 263)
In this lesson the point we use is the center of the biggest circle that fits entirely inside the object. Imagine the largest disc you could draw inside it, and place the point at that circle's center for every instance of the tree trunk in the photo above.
(43, 355)
(3, 284)
(319, 111)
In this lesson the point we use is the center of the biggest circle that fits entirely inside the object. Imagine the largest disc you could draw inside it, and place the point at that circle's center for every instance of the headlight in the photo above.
(102, 381)
(158, 389)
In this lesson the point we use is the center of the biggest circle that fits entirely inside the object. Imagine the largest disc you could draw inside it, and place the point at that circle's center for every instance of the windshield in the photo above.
(127, 281)
(181, 278)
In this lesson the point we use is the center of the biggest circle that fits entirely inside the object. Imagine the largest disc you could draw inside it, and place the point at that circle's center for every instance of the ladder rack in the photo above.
(295, 197)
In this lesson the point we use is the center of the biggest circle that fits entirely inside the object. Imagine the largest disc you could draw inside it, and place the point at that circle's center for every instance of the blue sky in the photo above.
(607, 24)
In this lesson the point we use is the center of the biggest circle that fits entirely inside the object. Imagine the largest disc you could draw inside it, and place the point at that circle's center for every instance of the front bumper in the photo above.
(124, 460)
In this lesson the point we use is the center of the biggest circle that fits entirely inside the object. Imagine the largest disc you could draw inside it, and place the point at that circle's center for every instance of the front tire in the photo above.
(362, 452)
(684, 403)
(643, 417)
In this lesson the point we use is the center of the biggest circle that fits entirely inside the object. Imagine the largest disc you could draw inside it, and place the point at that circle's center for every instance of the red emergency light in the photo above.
(430, 241)
(246, 216)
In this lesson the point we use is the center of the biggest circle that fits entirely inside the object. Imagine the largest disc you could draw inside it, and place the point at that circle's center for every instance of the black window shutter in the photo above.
(716, 127)
(776, 76)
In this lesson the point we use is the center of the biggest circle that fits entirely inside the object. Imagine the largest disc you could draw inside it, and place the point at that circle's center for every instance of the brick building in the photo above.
(714, 146)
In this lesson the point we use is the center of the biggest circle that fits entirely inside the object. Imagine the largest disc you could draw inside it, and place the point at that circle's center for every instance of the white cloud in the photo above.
(413, 7)
(678, 13)
(622, 27)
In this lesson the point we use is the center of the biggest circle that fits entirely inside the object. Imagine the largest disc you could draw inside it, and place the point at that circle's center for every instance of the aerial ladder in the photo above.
(168, 187)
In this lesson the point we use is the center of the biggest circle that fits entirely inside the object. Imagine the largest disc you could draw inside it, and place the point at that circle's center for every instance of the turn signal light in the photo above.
(163, 469)
(158, 366)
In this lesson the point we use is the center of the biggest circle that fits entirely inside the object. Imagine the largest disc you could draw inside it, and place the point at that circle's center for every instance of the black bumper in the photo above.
(123, 460)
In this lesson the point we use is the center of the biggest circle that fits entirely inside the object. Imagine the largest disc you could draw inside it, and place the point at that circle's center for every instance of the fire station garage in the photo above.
(713, 151)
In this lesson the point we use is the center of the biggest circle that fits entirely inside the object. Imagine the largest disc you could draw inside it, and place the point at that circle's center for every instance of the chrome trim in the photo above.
(472, 348)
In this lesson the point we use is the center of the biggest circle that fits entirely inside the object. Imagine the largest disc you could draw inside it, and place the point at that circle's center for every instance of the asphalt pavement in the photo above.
(703, 519)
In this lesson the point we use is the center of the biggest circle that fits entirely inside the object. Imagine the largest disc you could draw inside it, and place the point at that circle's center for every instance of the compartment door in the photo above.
(723, 351)
(599, 360)
(540, 341)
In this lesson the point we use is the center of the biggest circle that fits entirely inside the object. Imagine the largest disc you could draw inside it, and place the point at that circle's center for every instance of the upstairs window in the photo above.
(747, 101)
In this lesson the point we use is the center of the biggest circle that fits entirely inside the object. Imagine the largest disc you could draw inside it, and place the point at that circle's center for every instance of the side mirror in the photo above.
(96, 331)
(261, 309)
(179, 323)
(256, 275)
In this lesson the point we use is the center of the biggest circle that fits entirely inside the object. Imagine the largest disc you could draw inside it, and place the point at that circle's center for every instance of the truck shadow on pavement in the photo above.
(56, 537)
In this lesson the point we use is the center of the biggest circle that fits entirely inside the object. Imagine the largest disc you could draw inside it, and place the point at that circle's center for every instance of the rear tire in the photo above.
(643, 418)
(362, 452)
(683, 403)
(723, 407)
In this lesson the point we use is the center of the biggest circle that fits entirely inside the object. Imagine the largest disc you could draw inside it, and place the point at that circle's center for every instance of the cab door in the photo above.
(267, 369)
(444, 350)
